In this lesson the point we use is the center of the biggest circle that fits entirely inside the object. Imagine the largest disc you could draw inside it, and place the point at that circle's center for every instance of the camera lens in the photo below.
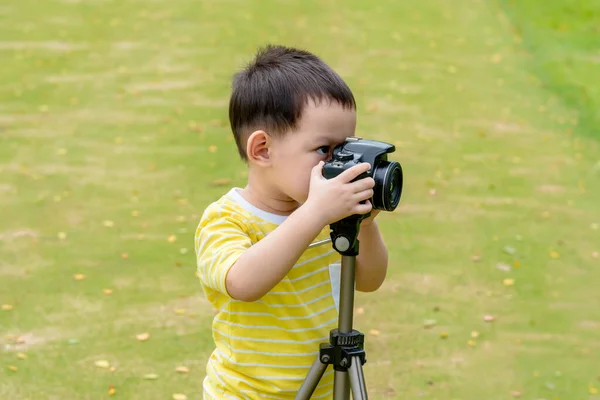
(388, 185)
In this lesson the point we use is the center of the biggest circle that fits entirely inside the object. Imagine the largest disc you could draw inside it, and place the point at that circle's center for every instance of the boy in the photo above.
(276, 299)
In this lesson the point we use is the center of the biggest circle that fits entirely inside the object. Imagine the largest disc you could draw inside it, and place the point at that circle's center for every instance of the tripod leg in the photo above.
(357, 380)
(312, 380)
(341, 389)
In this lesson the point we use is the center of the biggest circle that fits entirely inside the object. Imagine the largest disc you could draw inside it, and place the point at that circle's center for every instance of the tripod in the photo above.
(345, 348)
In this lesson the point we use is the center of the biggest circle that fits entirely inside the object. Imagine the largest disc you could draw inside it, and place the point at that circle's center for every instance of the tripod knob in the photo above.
(341, 243)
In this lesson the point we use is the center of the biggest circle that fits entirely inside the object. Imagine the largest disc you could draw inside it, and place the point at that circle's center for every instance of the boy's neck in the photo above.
(266, 197)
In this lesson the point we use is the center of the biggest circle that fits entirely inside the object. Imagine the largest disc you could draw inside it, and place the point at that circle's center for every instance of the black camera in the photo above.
(387, 174)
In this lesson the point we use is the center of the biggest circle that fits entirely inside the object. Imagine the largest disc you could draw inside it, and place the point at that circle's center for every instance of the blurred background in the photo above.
(114, 137)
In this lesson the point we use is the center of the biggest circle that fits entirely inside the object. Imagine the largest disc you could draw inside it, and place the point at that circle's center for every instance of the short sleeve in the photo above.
(219, 243)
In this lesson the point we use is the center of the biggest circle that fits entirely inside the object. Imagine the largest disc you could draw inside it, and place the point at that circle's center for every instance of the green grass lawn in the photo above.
(114, 137)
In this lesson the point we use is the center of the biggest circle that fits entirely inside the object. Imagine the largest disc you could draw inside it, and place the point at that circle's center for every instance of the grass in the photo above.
(114, 137)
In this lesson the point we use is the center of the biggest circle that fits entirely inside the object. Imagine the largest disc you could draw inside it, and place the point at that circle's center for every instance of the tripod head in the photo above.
(344, 235)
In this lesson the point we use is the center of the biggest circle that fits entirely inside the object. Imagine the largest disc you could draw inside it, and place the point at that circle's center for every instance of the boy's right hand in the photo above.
(337, 198)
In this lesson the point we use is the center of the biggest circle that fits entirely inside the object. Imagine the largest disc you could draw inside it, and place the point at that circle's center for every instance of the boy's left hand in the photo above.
(369, 220)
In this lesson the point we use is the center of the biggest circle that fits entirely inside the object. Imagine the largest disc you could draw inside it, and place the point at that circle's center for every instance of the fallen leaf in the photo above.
(515, 393)
(474, 334)
(108, 223)
(124, 256)
(111, 390)
(212, 148)
(135, 213)
(516, 264)
(107, 291)
(489, 318)
(509, 250)
(444, 335)
(360, 311)
(172, 238)
(432, 192)
(142, 336)
(554, 254)
(429, 323)
(472, 343)
(496, 58)
(79, 277)
(182, 369)
(13, 368)
(475, 258)
(508, 282)
(179, 396)
(221, 182)
(595, 254)
(112, 368)
(503, 267)
(374, 332)
(21, 356)
(150, 376)
(62, 235)
(102, 364)
(7, 307)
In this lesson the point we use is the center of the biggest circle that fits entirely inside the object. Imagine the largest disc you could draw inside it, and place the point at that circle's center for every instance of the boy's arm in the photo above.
(372, 258)
(264, 264)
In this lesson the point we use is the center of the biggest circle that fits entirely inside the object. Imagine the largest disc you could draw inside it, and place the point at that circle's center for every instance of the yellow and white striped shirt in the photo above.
(264, 349)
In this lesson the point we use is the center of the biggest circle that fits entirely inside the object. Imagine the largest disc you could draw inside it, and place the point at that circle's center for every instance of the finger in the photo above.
(353, 172)
(363, 184)
(364, 195)
(317, 170)
(363, 208)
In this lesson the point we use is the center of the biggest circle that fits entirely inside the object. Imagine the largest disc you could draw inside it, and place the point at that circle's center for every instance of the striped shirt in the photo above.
(265, 348)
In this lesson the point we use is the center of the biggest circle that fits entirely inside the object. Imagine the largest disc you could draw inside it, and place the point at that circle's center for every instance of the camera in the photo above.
(387, 174)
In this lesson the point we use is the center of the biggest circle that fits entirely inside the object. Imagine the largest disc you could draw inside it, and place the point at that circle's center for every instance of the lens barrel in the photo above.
(388, 185)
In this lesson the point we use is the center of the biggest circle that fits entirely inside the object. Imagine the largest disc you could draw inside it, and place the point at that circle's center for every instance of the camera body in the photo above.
(387, 174)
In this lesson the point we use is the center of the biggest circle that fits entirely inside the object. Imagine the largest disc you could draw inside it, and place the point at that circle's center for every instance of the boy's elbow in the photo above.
(240, 290)
(368, 287)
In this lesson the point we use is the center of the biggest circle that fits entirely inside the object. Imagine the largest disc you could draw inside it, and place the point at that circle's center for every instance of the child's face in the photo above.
(321, 128)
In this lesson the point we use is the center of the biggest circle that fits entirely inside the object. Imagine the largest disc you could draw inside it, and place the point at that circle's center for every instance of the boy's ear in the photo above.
(257, 148)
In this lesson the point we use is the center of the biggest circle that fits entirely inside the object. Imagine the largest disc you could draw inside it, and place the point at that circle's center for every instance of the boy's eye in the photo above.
(323, 150)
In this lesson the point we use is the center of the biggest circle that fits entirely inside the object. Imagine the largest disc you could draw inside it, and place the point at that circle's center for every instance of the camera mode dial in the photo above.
(344, 156)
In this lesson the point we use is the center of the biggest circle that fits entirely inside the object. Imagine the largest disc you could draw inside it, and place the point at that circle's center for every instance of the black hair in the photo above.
(271, 92)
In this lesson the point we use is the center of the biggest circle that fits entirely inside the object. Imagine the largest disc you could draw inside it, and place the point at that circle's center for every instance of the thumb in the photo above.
(318, 169)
